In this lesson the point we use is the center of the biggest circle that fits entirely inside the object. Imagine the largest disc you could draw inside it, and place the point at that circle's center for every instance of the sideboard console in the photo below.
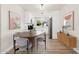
(67, 40)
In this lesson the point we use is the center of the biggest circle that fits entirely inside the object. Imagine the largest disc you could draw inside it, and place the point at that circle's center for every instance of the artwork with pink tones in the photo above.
(69, 20)
(14, 20)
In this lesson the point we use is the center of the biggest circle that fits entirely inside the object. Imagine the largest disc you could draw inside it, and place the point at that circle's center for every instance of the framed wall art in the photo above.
(69, 20)
(14, 20)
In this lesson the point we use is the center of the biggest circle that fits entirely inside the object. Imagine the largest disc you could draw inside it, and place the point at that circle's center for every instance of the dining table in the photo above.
(29, 35)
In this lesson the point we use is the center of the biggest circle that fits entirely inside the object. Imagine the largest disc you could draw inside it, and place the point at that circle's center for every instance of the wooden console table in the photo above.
(68, 40)
(29, 35)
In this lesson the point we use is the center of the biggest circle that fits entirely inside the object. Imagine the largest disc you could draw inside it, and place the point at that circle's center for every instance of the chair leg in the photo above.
(45, 41)
(31, 50)
(27, 47)
(14, 47)
(45, 44)
(37, 45)
(27, 50)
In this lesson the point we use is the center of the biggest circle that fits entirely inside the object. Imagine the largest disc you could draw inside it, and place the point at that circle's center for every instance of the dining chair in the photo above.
(22, 44)
(41, 38)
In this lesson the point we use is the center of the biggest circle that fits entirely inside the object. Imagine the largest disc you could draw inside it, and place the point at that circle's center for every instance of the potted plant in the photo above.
(38, 23)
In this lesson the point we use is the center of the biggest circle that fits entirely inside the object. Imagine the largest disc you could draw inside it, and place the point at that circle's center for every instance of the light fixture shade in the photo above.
(42, 9)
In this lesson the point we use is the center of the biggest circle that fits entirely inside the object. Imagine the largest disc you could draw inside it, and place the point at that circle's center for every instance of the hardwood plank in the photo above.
(52, 47)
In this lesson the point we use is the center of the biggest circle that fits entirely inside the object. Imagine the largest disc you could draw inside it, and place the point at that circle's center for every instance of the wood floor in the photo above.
(53, 46)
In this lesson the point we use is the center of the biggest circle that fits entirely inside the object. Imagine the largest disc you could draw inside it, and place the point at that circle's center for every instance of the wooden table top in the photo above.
(28, 34)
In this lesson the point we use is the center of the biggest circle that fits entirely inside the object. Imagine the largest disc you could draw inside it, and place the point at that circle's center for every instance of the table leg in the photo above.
(14, 42)
(32, 40)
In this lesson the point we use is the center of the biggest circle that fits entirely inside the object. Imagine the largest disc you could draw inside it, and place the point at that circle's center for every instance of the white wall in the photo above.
(75, 8)
(0, 28)
(56, 23)
(54, 14)
(6, 34)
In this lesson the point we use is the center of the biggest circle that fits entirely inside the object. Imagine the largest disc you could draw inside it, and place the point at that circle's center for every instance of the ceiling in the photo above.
(46, 7)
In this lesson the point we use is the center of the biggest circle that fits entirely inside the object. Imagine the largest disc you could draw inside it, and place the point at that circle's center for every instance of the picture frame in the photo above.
(69, 20)
(14, 20)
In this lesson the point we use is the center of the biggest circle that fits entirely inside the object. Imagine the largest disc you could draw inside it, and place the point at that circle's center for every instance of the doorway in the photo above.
(50, 28)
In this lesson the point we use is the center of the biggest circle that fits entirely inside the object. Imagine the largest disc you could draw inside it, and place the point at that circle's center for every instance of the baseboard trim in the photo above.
(4, 52)
(76, 50)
